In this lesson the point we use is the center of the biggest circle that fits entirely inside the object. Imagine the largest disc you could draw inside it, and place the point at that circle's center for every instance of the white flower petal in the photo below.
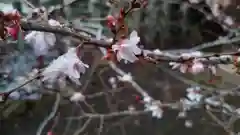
(191, 96)
(174, 65)
(125, 53)
(183, 68)
(197, 67)
(115, 47)
(42, 41)
(30, 37)
(67, 65)
(50, 39)
(147, 99)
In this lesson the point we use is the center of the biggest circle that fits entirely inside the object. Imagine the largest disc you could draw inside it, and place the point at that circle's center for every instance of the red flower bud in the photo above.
(13, 32)
(137, 98)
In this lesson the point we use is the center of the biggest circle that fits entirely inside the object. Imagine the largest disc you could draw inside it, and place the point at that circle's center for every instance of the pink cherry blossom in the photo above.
(197, 67)
(68, 65)
(127, 49)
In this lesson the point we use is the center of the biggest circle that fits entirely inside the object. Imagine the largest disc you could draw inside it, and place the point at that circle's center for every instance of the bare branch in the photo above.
(50, 116)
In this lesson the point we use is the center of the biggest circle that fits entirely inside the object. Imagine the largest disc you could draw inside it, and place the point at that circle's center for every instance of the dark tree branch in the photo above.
(29, 26)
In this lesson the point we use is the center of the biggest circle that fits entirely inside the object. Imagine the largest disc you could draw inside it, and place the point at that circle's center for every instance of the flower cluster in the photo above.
(152, 106)
(194, 95)
(192, 100)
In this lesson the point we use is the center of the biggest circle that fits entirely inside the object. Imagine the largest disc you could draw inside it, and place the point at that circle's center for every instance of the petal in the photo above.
(154, 114)
(183, 68)
(40, 45)
(134, 38)
(133, 34)
(191, 89)
(197, 67)
(30, 37)
(174, 65)
(191, 96)
(50, 38)
(119, 56)
(127, 55)
(136, 50)
(15, 95)
(147, 99)
(116, 47)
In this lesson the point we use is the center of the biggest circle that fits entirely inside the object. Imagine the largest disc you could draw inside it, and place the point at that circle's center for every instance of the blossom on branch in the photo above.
(194, 94)
(127, 49)
(194, 66)
(152, 106)
(197, 67)
(193, 98)
(42, 41)
(67, 65)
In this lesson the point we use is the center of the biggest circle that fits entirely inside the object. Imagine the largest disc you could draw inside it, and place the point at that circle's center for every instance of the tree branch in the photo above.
(31, 26)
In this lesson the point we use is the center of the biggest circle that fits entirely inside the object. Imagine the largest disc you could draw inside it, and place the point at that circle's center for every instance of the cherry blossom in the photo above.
(152, 106)
(193, 67)
(197, 67)
(65, 65)
(42, 41)
(127, 49)
(194, 94)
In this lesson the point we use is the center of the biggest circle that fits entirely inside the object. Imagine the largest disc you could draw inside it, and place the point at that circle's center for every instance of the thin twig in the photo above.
(219, 122)
(29, 4)
(100, 125)
(113, 114)
(50, 116)
(79, 131)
